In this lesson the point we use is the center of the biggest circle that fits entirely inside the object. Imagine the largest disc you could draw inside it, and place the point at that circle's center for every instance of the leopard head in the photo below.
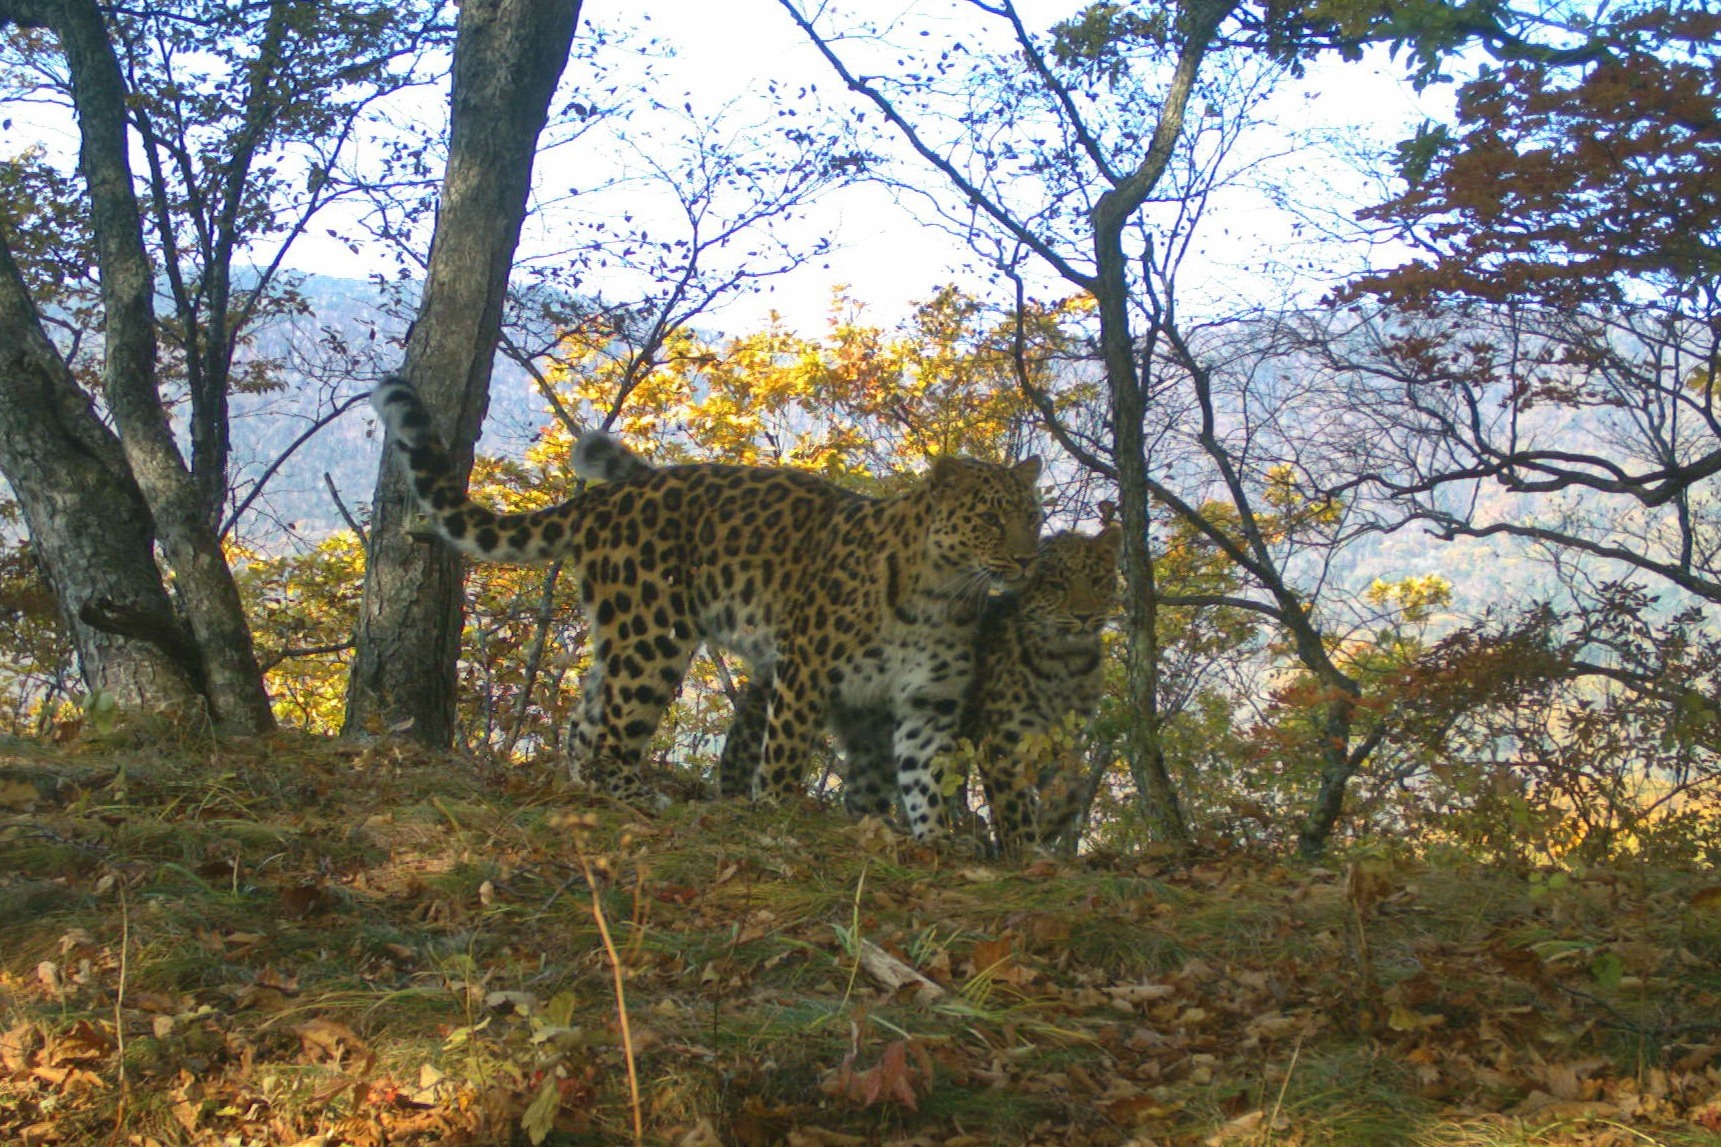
(1074, 584)
(985, 521)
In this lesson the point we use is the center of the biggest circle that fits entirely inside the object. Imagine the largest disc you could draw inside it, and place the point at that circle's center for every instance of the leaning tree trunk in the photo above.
(89, 526)
(209, 598)
(508, 58)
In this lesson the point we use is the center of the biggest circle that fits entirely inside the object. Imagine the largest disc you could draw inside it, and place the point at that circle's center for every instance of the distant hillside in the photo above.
(331, 356)
(350, 337)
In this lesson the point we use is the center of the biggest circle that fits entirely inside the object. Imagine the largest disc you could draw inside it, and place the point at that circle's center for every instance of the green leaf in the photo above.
(540, 1114)
(1607, 969)
(559, 1012)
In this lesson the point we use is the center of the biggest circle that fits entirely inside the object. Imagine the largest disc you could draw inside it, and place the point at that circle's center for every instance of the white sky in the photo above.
(726, 51)
(887, 258)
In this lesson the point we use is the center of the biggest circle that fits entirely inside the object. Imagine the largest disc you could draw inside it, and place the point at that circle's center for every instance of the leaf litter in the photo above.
(291, 941)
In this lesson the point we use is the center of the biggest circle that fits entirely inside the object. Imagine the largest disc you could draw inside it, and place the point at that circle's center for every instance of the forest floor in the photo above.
(295, 941)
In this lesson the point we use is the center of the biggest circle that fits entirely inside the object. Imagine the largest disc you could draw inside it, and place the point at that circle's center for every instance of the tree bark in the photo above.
(1142, 744)
(89, 526)
(508, 58)
(208, 595)
(1338, 764)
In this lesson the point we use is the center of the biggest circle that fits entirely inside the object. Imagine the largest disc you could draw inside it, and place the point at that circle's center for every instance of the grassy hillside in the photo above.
(302, 942)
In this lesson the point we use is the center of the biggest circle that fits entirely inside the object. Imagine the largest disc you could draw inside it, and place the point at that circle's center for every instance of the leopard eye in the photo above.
(991, 519)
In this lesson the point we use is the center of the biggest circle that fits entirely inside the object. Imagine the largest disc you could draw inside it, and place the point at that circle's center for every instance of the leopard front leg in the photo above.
(867, 738)
(587, 720)
(925, 735)
(797, 711)
(1008, 790)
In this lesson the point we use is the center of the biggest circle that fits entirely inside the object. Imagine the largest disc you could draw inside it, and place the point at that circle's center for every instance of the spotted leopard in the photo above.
(820, 589)
(1037, 663)
(1034, 662)
(1040, 664)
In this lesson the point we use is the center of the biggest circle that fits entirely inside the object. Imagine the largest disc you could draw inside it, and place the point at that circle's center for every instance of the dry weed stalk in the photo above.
(616, 976)
(119, 1005)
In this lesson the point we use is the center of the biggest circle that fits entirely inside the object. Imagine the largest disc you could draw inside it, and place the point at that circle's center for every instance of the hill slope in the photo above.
(304, 942)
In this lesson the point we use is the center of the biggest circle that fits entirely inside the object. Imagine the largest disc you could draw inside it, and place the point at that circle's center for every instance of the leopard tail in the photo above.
(536, 536)
(601, 456)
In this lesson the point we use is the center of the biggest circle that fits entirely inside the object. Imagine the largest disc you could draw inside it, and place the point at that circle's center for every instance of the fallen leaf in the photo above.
(334, 1042)
(303, 900)
(819, 1137)
(991, 956)
(1140, 993)
(1133, 1109)
(18, 1044)
(1403, 1019)
(1274, 1025)
(704, 1135)
(1246, 1124)
(892, 1080)
(519, 1003)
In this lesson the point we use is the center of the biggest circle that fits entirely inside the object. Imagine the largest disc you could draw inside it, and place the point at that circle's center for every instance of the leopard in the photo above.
(1034, 664)
(1038, 666)
(820, 589)
(865, 730)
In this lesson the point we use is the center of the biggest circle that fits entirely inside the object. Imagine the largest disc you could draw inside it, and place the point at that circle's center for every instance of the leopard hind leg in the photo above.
(745, 740)
(799, 696)
(636, 679)
(867, 737)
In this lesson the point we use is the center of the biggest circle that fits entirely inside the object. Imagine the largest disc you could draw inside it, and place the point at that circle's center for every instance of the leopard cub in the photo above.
(1040, 665)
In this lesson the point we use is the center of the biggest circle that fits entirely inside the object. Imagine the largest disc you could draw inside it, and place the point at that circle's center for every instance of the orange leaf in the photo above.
(991, 956)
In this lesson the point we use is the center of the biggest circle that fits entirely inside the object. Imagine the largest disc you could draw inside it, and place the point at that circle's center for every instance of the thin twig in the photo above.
(347, 516)
(724, 677)
(119, 1003)
(339, 409)
(620, 996)
(1284, 1085)
(275, 659)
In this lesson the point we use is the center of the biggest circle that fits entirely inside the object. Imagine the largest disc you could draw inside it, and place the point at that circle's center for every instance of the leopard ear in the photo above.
(1108, 516)
(1028, 469)
(946, 468)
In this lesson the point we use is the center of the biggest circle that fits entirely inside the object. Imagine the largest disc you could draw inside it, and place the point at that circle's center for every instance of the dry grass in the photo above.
(299, 942)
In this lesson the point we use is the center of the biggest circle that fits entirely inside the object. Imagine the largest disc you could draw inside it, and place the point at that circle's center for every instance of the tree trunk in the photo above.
(508, 58)
(1110, 287)
(1338, 765)
(1155, 791)
(88, 523)
(204, 582)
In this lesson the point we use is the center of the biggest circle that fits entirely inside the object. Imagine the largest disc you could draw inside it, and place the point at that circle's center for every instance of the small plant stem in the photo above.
(854, 937)
(1284, 1085)
(119, 1004)
(620, 998)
